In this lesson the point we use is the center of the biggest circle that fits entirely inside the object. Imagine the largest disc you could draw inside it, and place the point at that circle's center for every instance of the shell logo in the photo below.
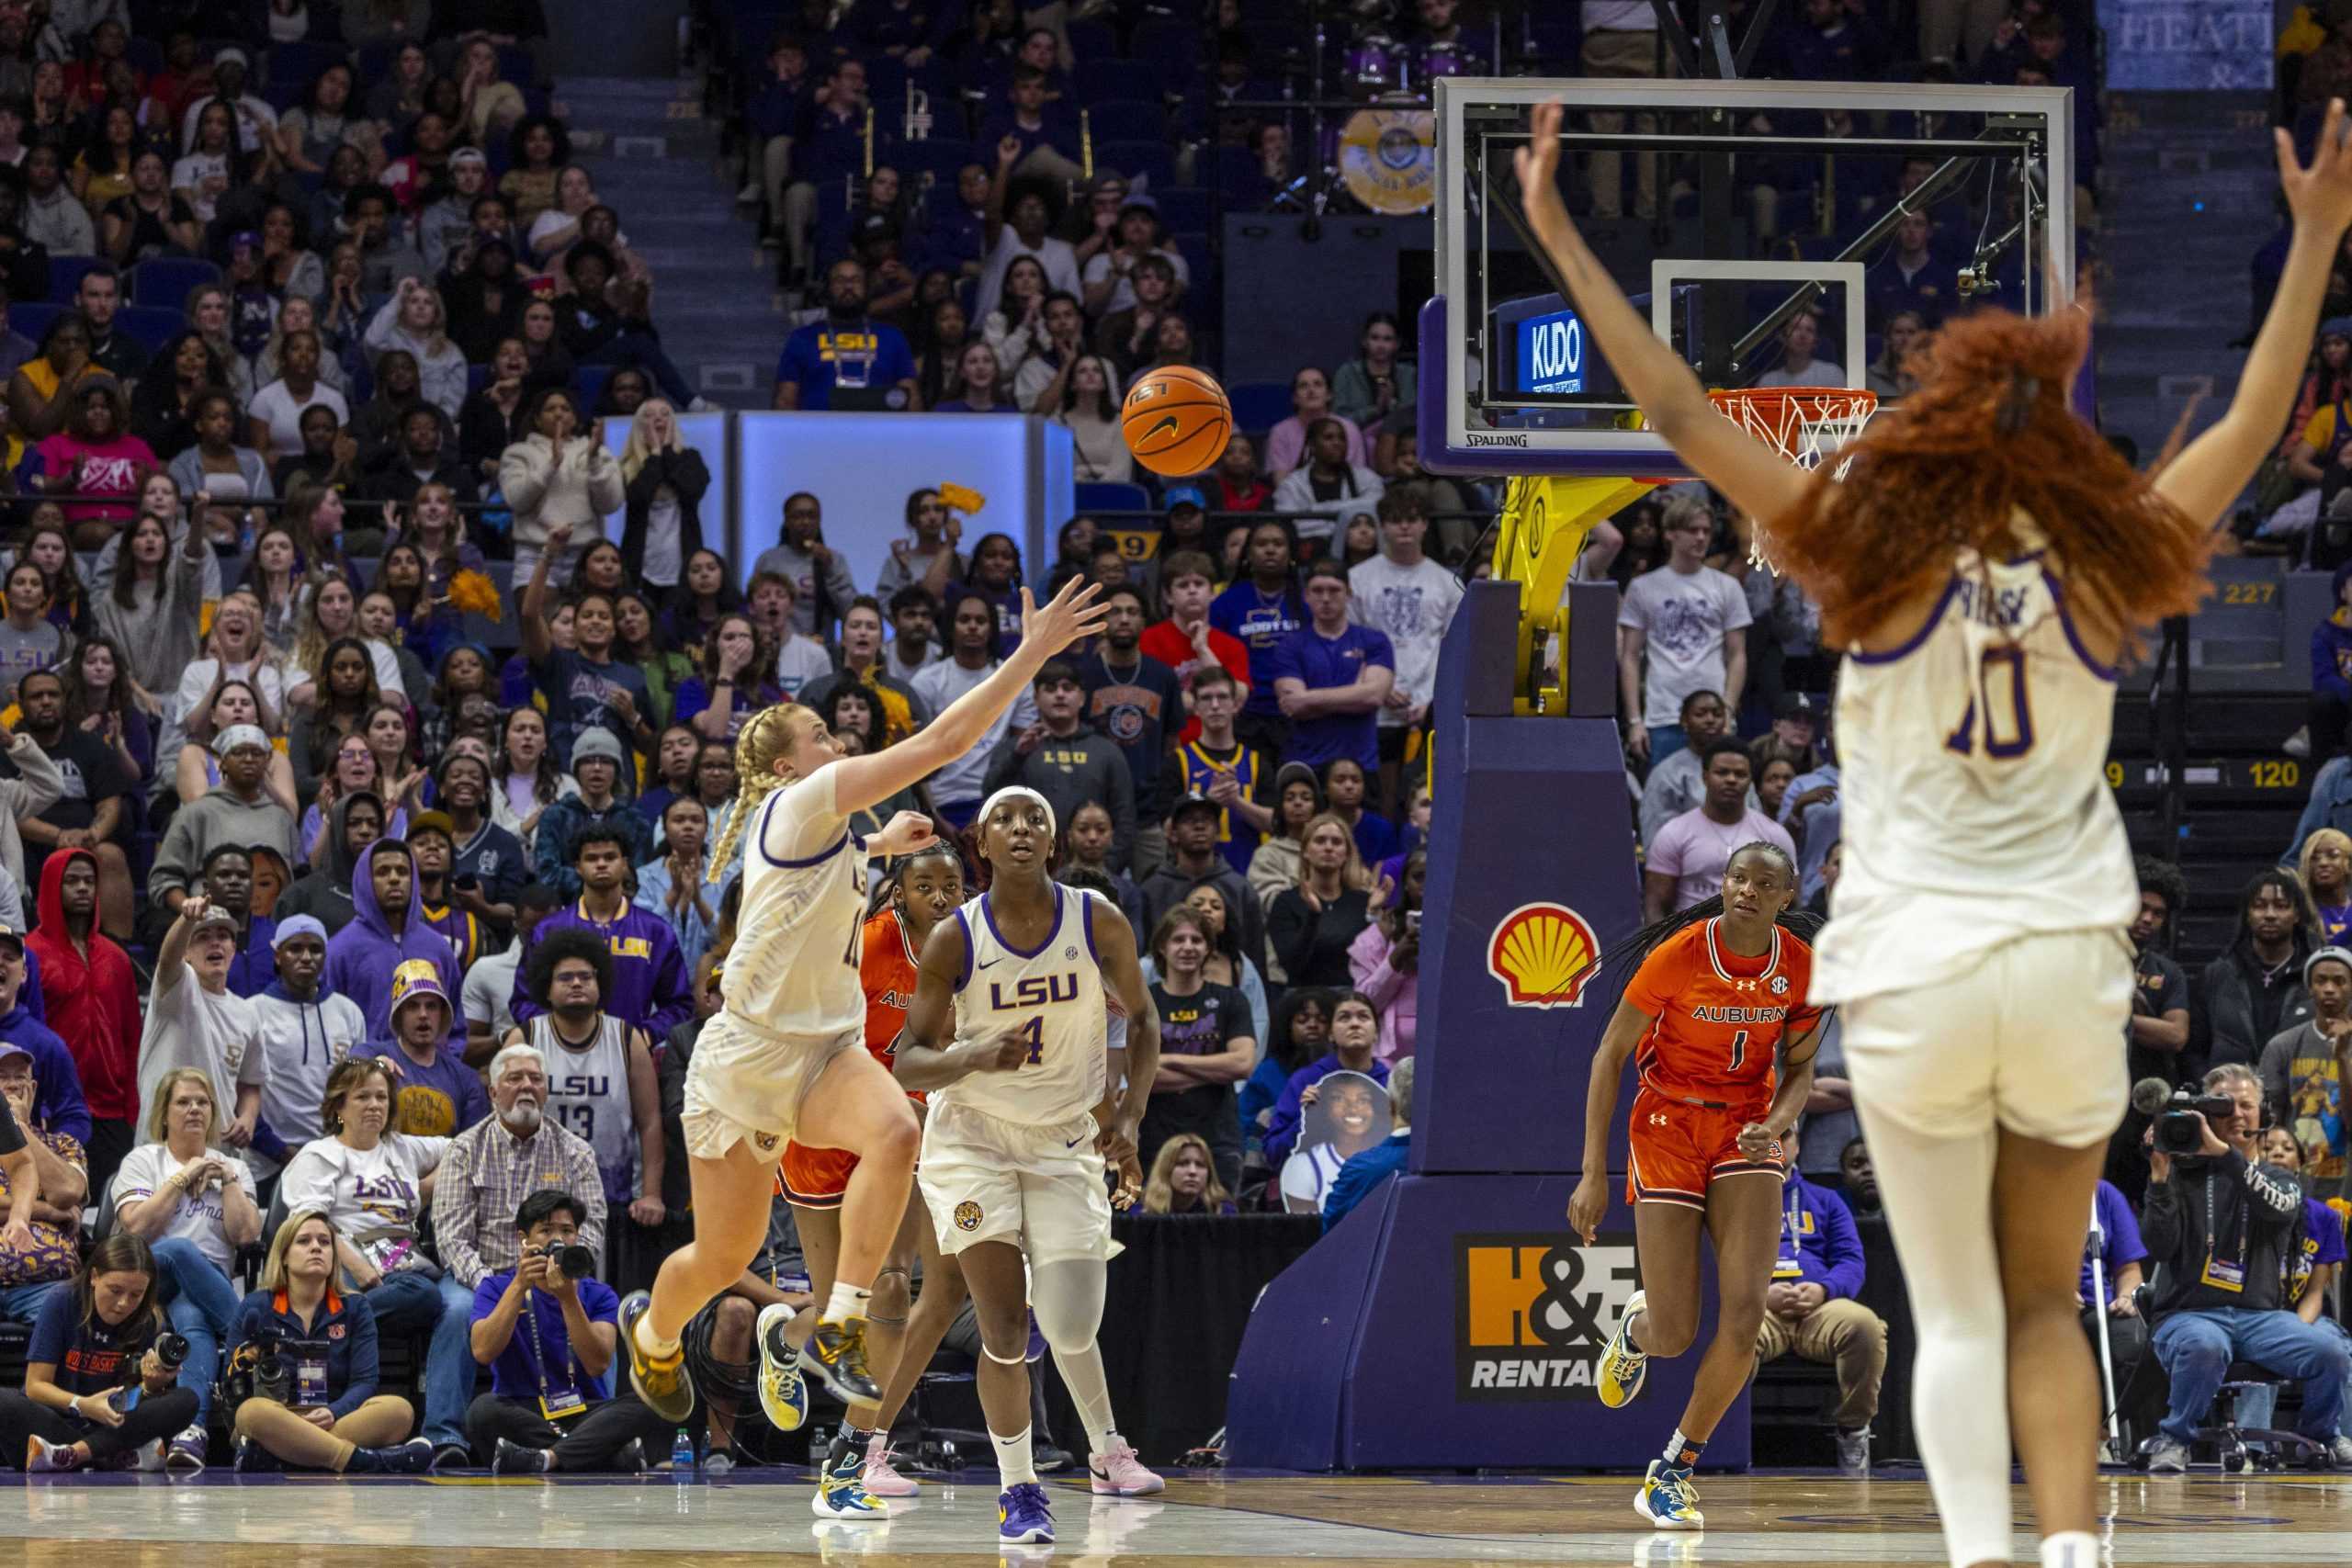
(1543, 954)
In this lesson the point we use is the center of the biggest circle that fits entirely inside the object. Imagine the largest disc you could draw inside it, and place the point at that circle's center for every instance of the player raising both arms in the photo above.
(924, 888)
(1023, 1118)
(1984, 562)
(1718, 1000)
(781, 1059)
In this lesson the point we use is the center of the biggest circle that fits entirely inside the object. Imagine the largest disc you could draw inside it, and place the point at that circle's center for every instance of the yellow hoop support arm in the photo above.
(1545, 523)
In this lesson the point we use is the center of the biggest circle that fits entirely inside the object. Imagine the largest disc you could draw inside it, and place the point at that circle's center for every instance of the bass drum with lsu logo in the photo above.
(1388, 158)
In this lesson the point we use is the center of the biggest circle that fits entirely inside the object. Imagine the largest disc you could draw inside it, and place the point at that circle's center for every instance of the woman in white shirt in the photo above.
(374, 1185)
(193, 1203)
(1085, 396)
(333, 612)
(233, 650)
(415, 319)
(275, 411)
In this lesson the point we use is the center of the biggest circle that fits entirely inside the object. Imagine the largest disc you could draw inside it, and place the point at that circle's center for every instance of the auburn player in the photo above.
(925, 888)
(1719, 997)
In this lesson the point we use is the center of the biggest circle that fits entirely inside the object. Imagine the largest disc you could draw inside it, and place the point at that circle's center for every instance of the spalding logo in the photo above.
(1543, 954)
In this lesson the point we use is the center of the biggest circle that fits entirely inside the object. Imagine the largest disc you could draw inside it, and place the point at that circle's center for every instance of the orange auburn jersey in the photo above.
(886, 968)
(1719, 1018)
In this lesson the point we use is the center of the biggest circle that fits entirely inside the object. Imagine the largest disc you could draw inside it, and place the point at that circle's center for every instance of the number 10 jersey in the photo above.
(1976, 807)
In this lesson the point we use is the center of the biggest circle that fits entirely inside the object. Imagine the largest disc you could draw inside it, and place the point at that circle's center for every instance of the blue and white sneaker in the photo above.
(842, 1494)
(783, 1393)
(1622, 1367)
(1023, 1517)
(1668, 1500)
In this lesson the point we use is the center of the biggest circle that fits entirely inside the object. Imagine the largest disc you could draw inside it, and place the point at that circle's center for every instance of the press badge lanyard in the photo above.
(2224, 1274)
(863, 358)
(553, 1405)
(1790, 1263)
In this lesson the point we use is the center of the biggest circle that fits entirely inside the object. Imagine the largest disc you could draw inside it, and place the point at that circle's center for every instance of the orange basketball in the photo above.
(1177, 420)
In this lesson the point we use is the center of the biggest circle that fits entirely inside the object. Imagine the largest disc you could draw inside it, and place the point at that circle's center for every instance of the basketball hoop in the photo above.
(1805, 425)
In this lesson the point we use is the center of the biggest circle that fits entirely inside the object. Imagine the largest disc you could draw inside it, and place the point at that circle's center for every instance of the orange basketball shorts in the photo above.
(816, 1179)
(1677, 1150)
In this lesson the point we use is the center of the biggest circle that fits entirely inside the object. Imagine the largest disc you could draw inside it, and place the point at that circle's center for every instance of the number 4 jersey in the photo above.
(1051, 997)
(1720, 1018)
(1976, 807)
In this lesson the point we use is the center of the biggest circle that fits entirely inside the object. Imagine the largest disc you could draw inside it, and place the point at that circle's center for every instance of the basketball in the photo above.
(1176, 420)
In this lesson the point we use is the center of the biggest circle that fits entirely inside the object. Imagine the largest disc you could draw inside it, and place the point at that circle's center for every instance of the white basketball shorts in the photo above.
(746, 1083)
(2030, 1039)
(985, 1178)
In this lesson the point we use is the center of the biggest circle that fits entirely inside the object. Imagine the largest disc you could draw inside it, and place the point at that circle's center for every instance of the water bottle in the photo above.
(821, 1444)
(682, 1457)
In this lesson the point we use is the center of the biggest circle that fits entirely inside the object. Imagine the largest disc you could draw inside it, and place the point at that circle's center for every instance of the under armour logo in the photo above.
(1657, 1118)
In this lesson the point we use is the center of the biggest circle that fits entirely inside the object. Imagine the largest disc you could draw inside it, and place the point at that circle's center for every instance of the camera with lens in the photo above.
(171, 1349)
(259, 1370)
(574, 1260)
(2180, 1126)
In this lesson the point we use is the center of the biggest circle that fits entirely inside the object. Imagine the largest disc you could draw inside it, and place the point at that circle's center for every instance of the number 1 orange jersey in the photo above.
(1719, 1017)
(886, 969)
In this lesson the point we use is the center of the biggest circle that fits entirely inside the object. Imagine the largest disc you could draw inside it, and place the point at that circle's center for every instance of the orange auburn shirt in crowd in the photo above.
(1719, 1017)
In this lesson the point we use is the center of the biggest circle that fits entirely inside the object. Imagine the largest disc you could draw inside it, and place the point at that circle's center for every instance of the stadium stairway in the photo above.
(654, 157)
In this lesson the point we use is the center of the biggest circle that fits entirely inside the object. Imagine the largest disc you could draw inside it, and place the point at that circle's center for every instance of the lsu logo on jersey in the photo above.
(1031, 991)
(1543, 954)
(1533, 1312)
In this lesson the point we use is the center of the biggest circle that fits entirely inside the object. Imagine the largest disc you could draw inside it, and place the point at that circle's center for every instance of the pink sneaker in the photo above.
(1120, 1475)
(878, 1479)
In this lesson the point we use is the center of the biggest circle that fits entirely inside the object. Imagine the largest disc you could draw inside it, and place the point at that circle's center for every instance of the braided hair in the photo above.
(757, 750)
(1626, 956)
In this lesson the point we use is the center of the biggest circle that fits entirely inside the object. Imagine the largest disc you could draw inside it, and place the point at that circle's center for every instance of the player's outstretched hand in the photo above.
(1588, 1205)
(903, 834)
(1538, 164)
(2319, 192)
(1069, 617)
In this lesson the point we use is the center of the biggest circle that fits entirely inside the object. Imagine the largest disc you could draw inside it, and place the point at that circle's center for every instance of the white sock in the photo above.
(2070, 1549)
(660, 1349)
(1012, 1461)
(845, 1303)
(1090, 1390)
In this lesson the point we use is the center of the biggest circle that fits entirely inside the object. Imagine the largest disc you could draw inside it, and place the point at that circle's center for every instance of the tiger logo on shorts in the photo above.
(967, 1215)
(767, 1142)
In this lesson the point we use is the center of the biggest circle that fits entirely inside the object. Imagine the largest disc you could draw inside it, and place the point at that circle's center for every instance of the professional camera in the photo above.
(572, 1259)
(171, 1349)
(2178, 1129)
(260, 1370)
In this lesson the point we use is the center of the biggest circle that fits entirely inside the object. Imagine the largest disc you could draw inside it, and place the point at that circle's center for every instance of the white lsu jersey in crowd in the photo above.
(794, 967)
(1052, 998)
(1977, 810)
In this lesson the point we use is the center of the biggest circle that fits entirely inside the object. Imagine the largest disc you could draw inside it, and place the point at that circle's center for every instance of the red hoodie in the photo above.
(93, 1003)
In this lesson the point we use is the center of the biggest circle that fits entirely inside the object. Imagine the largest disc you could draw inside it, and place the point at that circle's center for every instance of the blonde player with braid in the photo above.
(781, 1059)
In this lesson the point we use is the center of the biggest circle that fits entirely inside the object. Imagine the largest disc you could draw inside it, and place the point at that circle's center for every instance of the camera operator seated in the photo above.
(102, 1372)
(192, 1202)
(2313, 1266)
(2223, 1229)
(309, 1350)
(546, 1330)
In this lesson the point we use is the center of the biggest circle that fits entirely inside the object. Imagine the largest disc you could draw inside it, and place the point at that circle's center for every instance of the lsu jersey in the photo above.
(1976, 800)
(1719, 1018)
(796, 966)
(1051, 997)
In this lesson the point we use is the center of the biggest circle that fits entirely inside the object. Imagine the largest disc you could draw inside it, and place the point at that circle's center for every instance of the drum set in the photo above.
(1375, 137)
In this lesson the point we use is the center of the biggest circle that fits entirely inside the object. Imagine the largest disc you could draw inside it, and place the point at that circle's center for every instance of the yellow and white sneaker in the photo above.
(1622, 1367)
(784, 1393)
(1668, 1499)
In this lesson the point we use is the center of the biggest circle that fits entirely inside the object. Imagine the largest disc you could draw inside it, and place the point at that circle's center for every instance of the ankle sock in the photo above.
(1013, 1461)
(1683, 1454)
(845, 1303)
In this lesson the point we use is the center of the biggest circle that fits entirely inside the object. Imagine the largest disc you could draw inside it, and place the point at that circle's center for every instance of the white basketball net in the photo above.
(1805, 424)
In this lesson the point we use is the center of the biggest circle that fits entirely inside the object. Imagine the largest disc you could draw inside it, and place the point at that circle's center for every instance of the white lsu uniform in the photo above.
(1009, 1156)
(1977, 933)
(794, 1000)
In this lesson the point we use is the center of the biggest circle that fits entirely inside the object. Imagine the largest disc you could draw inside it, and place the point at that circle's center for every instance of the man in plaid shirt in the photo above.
(495, 1164)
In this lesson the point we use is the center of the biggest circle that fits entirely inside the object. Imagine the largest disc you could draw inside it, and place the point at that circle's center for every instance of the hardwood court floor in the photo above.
(761, 1519)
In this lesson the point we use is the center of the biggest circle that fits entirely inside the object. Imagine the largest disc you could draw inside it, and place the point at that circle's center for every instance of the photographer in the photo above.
(546, 1330)
(96, 1338)
(310, 1352)
(2223, 1229)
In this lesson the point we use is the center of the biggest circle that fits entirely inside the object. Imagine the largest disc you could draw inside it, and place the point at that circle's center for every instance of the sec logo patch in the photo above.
(967, 1215)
